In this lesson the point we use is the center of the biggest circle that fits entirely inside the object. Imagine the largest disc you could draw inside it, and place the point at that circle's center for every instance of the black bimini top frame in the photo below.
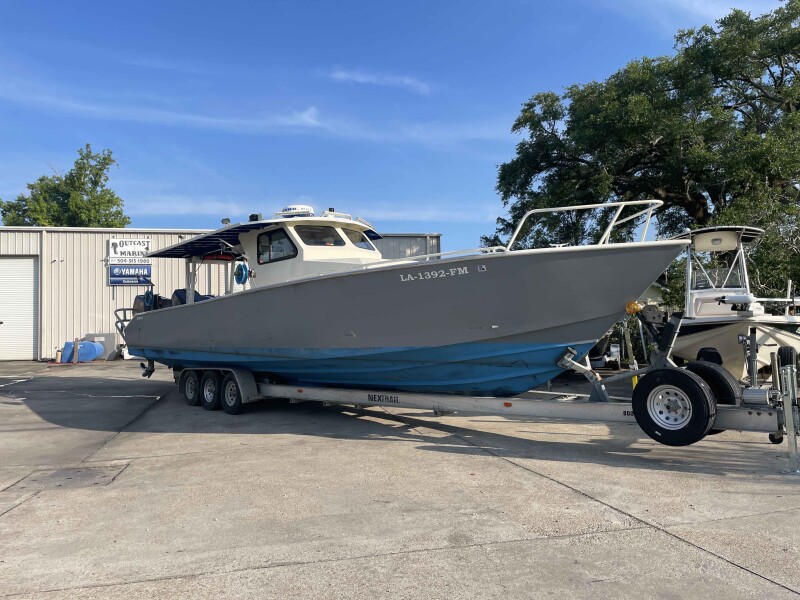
(221, 241)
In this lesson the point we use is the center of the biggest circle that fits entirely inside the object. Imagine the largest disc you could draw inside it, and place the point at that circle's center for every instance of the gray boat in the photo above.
(316, 305)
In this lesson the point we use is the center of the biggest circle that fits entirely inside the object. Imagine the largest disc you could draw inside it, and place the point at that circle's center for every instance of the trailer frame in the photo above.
(773, 410)
(763, 418)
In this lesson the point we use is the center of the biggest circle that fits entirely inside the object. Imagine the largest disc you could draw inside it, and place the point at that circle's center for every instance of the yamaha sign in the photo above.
(128, 263)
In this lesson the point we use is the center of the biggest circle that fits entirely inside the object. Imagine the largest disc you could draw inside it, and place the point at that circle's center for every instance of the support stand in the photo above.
(567, 361)
(659, 359)
(790, 412)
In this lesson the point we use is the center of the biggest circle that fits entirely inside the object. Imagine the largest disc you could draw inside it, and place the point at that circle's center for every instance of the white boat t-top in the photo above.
(720, 307)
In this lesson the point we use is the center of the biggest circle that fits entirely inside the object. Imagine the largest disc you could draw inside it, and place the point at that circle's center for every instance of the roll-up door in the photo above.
(19, 308)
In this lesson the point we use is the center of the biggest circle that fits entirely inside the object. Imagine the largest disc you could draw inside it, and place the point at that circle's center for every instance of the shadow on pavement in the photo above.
(107, 404)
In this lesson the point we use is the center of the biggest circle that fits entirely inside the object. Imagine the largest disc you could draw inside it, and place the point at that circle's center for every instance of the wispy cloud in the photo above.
(669, 15)
(714, 9)
(411, 84)
(438, 132)
(160, 64)
(261, 123)
(168, 204)
(426, 212)
(299, 121)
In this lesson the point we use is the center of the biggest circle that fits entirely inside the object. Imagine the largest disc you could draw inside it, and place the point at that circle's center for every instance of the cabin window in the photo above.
(359, 239)
(319, 235)
(274, 246)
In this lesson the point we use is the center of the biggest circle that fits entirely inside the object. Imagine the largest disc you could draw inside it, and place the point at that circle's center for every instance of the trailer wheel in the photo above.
(189, 385)
(209, 390)
(776, 438)
(674, 407)
(711, 355)
(723, 385)
(231, 395)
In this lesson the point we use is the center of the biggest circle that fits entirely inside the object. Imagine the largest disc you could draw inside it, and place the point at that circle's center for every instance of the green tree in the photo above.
(79, 198)
(713, 131)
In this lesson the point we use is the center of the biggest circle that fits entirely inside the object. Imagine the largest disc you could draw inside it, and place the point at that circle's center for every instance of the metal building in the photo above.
(59, 283)
(403, 245)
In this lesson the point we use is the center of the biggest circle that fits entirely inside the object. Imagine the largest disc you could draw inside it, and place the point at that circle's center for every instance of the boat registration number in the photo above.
(437, 274)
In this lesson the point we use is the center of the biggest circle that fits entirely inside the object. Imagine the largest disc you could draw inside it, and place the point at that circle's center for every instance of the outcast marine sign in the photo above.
(127, 261)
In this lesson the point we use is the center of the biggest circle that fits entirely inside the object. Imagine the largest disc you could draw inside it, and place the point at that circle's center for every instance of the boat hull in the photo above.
(771, 333)
(492, 324)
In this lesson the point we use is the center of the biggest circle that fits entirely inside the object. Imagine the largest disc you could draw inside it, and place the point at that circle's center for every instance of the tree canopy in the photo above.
(79, 198)
(713, 131)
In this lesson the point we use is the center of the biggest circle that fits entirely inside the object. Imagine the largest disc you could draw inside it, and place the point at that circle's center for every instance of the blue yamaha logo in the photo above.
(129, 274)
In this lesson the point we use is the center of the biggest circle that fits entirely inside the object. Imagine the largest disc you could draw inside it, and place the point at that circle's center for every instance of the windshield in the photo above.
(319, 235)
(274, 246)
(359, 239)
(717, 274)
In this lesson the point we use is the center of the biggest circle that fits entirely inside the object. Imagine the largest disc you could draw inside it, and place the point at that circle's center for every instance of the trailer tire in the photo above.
(675, 407)
(723, 385)
(711, 355)
(209, 390)
(189, 385)
(231, 395)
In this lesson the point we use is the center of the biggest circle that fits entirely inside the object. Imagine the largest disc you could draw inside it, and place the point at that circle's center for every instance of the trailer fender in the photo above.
(247, 384)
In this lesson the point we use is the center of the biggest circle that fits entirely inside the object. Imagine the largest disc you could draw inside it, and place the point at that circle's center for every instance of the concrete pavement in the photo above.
(113, 488)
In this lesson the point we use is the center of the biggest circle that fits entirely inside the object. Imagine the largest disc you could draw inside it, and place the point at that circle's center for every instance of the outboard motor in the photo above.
(149, 301)
(179, 297)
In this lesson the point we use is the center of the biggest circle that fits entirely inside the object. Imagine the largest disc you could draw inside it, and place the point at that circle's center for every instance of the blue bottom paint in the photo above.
(480, 368)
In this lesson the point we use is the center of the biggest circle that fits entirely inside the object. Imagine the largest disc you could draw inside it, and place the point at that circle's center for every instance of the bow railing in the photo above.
(615, 220)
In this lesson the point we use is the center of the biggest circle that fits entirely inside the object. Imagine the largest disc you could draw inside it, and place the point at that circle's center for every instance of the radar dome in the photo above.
(297, 210)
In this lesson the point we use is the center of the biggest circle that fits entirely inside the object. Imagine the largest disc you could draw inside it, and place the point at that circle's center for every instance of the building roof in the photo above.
(122, 230)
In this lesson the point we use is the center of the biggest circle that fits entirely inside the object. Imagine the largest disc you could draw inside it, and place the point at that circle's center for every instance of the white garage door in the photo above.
(19, 310)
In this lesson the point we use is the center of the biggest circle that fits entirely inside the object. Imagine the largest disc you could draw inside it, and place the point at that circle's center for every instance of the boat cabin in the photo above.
(293, 244)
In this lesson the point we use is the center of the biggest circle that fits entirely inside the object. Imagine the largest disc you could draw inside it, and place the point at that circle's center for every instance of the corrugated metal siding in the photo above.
(394, 245)
(78, 297)
(19, 243)
(75, 296)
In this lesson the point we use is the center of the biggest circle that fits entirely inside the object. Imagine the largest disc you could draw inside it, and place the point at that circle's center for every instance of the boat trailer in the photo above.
(674, 406)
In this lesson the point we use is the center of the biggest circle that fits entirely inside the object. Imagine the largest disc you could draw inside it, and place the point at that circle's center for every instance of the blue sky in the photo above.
(399, 112)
